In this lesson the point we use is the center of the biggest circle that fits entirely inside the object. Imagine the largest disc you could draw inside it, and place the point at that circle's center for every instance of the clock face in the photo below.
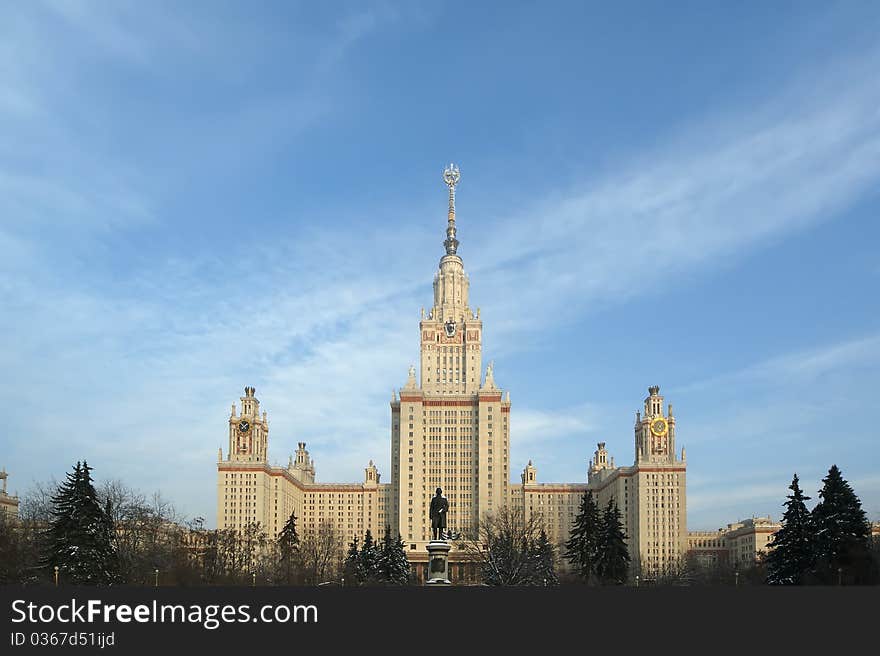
(450, 328)
(244, 426)
(659, 426)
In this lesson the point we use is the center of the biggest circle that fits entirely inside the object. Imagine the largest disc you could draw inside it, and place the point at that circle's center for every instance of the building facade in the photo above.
(739, 545)
(450, 428)
(8, 503)
(250, 490)
(651, 494)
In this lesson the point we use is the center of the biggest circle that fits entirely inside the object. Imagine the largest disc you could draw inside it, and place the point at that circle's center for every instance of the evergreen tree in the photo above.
(393, 565)
(842, 533)
(369, 559)
(400, 569)
(80, 532)
(543, 561)
(581, 546)
(791, 552)
(612, 555)
(288, 547)
(352, 570)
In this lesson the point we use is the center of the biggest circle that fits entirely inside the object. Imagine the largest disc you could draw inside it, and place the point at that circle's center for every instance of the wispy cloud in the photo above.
(710, 195)
(788, 414)
(803, 366)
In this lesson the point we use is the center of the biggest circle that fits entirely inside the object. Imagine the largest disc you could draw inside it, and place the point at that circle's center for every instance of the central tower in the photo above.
(447, 429)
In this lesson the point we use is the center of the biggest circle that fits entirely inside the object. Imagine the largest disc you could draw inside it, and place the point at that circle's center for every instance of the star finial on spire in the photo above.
(451, 177)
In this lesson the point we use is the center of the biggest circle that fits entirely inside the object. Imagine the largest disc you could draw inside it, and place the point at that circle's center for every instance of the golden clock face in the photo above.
(659, 426)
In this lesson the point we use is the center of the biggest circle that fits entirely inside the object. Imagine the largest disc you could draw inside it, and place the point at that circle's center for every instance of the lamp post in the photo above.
(637, 580)
(156, 582)
(839, 576)
(736, 576)
(56, 576)
(253, 579)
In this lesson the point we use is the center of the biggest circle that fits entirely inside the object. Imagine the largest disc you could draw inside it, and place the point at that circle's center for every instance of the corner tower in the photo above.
(248, 431)
(654, 431)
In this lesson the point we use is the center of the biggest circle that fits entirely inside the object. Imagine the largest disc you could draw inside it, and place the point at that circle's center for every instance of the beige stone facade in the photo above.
(739, 545)
(249, 490)
(450, 428)
(650, 494)
(8, 503)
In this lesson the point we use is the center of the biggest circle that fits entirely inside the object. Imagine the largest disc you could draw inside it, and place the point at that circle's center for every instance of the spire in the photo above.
(451, 177)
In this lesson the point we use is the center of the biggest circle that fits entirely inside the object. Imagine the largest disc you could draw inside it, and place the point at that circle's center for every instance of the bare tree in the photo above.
(22, 538)
(503, 546)
(147, 534)
(321, 552)
(36, 504)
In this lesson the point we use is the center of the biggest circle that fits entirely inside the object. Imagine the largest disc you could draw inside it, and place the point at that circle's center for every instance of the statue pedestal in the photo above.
(438, 563)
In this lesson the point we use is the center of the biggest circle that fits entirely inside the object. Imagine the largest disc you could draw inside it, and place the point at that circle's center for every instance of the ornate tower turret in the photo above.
(654, 432)
(302, 467)
(530, 474)
(371, 476)
(248, 432)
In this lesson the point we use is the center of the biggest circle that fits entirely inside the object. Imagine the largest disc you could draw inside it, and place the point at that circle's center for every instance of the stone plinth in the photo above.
(438, 563)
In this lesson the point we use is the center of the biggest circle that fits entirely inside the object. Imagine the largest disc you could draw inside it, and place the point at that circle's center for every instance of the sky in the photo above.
(199, 196)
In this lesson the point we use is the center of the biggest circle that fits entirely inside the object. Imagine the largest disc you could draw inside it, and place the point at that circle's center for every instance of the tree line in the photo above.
(114, 535)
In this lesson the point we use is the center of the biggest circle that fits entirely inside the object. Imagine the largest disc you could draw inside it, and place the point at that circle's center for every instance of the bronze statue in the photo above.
(439, 508)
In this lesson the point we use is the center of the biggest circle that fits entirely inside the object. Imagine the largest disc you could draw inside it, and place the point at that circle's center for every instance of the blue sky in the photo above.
(199, 197)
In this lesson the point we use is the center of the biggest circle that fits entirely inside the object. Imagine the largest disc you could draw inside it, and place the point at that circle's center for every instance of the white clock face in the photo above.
(450, 328)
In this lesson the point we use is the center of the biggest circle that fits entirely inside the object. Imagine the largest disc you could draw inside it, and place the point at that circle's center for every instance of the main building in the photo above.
(451, 428)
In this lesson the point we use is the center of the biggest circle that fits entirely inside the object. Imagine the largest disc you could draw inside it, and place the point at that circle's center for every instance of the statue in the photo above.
(439, 508)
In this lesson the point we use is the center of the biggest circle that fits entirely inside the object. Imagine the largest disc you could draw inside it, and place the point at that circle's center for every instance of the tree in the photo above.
(582, 544)
(842, 534)
(369, 560)
(792, 554)
(145, 535)
(612, 555)
(503, 547)
(288, 548)
(79, 536)
(352, 569)
(13, 551)
(544, 561)
(321, 549)
(393, 565)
